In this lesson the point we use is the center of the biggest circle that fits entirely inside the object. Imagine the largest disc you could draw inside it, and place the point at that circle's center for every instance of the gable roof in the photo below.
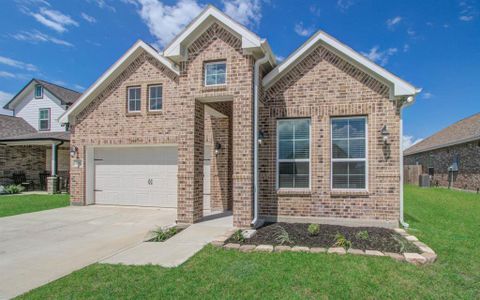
(463, 131)
(13, 126)
(251, 42)
(65, 95)
(399, 86)
(113, 72)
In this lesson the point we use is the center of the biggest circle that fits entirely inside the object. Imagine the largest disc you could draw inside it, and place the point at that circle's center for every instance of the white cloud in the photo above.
(378, 56)
(468, 12)
(246, 12)
(5, 74)
(301, 30)
(78, 87)
(411, 32)
(54, 19)
(408, 141)
(279, 58)
(406, 48)
(103, 4)
(4, 98)
(315, 10)
(88, 18)
(345, 4)
(391, 23)
(427, 95)
(39, 37)
(166, 21)
(17, 64)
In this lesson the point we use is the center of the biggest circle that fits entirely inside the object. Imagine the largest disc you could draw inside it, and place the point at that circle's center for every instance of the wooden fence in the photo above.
(411, 174)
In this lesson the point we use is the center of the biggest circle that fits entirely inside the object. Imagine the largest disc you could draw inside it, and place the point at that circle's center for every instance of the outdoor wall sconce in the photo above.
(73, 151)
(261, 137)
(384, 132)
(218, 146)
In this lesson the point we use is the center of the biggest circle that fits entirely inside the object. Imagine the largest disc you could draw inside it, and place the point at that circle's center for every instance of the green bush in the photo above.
(341, 241)
(282, 237)
(313, 229)
(14, 189)
(362, 235)
(163, 234)
(238, 236)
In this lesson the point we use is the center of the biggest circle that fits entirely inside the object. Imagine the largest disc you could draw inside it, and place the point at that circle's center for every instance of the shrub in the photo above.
(341, 241)
(163, 234)
(282, 237)
(238, 236)
(313, 229)
(14, 189)
(362, 235)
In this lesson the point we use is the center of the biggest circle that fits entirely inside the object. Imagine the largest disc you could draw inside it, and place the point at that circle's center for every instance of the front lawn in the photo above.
(20, 204)
(448, 221)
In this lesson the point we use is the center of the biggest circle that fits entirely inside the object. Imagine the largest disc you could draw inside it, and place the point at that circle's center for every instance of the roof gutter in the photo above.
(256, 222)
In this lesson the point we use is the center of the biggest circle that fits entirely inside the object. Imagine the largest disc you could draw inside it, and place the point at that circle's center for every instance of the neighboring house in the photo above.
(189, 128)
(451, 156)
(28, 138)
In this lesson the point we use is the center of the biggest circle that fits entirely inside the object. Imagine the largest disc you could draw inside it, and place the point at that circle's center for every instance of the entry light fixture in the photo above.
(218, 146)
(73, 151)
(384, 132)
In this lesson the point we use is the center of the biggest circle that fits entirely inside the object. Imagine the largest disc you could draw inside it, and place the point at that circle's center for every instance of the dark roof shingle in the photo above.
(13, 126)
(66, 95)
(465, 130)
(57, 135)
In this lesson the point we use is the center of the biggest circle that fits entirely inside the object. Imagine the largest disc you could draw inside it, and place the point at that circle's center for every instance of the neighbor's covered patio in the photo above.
(38, 161)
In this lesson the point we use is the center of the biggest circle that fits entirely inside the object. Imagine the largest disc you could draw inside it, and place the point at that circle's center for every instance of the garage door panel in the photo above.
(144, 176)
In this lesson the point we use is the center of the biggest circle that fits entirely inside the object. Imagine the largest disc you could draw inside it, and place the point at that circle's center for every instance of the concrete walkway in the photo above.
(37, 248)
(177, 249)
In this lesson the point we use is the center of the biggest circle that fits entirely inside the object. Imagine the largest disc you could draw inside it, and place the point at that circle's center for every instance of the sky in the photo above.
(435, 45)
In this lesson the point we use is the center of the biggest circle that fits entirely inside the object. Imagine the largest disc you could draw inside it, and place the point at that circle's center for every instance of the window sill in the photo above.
(214, 88)
(293, 191)
(133, 114)
(347, 193)
(155, 112)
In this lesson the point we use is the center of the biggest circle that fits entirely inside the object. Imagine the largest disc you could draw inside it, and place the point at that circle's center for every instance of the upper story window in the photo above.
(44, 119)
(293, 150)
(133, 99)
(38, 91)
(349, 153)
(155, 97)
(215, 73)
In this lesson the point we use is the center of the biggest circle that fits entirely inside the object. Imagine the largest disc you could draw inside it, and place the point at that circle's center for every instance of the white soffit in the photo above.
(112, 73)
(250, 41)
(400, 87)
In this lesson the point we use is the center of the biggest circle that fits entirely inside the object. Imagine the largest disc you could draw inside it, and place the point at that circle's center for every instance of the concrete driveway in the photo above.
(39, 247)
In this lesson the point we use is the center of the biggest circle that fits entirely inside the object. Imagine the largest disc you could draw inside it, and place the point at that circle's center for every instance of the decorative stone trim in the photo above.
(428, 256)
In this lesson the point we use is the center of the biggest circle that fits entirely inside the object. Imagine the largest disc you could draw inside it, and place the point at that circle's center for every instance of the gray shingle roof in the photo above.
(463, 131)
(59, 136)
(66, 95)
(13, 126)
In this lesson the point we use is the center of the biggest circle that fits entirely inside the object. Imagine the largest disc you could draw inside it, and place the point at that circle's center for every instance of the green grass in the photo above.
(11, 205)
(448, 221)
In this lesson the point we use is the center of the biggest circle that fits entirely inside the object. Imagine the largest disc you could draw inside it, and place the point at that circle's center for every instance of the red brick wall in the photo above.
(320, 87)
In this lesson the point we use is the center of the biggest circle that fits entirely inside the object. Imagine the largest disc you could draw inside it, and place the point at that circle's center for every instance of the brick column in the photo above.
(190, 167)
(3, 157)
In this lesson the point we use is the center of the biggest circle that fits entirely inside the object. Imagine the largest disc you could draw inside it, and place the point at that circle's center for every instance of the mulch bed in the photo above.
(381, 239)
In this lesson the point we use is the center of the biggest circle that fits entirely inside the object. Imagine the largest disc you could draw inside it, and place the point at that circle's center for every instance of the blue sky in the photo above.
(432, 44)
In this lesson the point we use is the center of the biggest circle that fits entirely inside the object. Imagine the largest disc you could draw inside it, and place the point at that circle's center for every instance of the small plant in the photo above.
(14, 189)
(341, 241)
(282, 237)
(163, 234)
(238, 236)
(313, 229)
(362, 235)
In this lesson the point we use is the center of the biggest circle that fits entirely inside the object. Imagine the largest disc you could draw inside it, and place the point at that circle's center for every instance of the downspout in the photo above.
(405, 103)
(256, 81)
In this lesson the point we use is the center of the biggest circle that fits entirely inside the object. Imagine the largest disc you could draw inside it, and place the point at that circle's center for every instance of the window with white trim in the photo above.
(38, 91)
(293, 153)
(349, 153)
(44, 119)
(155, 97)
(215, 73)
(134, 100)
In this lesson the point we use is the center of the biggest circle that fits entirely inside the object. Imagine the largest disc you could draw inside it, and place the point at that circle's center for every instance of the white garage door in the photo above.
(145, 176)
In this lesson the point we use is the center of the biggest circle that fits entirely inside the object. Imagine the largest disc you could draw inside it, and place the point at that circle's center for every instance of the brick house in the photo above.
(32, 141)
(451, 156)
(213, 123)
